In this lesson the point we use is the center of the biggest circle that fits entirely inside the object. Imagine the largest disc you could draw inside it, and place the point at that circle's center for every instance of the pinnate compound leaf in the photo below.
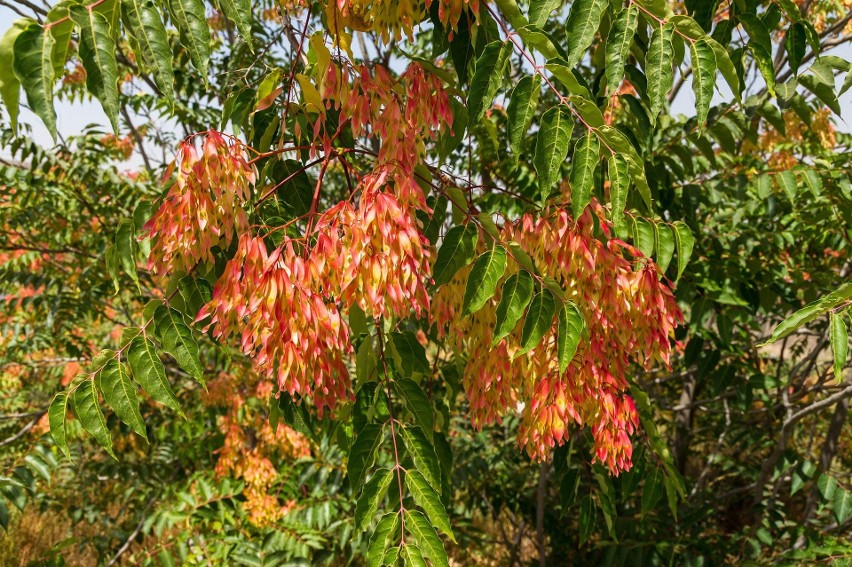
(586, 159)
(149, 372)
(483, 279)
(191, 21)
(551, 147)
(97, 53)
(618, 45)
(87, 410)
(703, 77)
(522, 105)
(487, 77)
(120, 394)
(423, 453)
(658, 68)
(143, 20)
(10, 85)
(538, 321)
(456, 252)
(684, 241)
(56, 416)
(362, 453)
(839, 339)
(177, 340)
(33, 63)
(417, 403)
(570, 332)
(581, 26)
(419, 527)
(382, 539)
(516, 295)
(426, 497)
(373, 492)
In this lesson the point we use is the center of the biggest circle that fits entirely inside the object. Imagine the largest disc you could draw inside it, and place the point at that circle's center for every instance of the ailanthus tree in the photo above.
(386, 229)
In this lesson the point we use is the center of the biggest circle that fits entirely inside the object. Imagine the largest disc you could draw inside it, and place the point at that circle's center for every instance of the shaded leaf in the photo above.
(487, 78)
(362, 453)
(483, 279)
(538, 321)
(373, 493)
(456, 252)
(571, 324)
(515, 296)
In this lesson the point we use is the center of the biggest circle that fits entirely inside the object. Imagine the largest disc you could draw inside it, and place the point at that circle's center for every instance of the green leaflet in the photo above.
(382, 538)
(813, 182)
(538, 322)
(787, 182)
(586, 159)
(423, 453)
(644, 236)
(522, 105)
(618, 45)
(87, 410)
(412, 355)
(616, 140)
(10, 85)
(126, 248)
(795, 45)
(419, 527)
(97, 53)
(417, 403)
(726, 66)
(581, 26)
(841, 505)
(571, 325)
(61, 32)
(33, 63)
(195, 292)
(120, 394)
(839, 339)
(824, 92)
(191, 21)
(176, 339)
(239, 12)
(703, 77)
(619, 183)
(487, 77)
(665, 246)
(516, 295)
(143, 20)
(658, 68)
(652, 491)
(455, 253)
(426, 497)
(554, 136)
(296, 416)
(483, 279)
(412, 556)
(373, 492)
(148, 371)
(760, 45)
(362, 453)
(587, 518)
(540, 10)
(56, 416)
(684, 243)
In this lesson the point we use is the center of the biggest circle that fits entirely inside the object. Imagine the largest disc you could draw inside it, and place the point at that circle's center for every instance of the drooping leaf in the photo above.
(839, 339)
(795, 44)
(10, 85)
(516, 295)
(88, 411)
(644, 236)
(581, 26)
(538, 321)
(382, 538)
(148, 371)
(56, 416)
(33, 63)
(143, 20)
(362, 453)
(583, 166)
(411, 353)
(417, 403)
(419, 527)
(296, 416)
(587, 518)
(787, 182)
(554, 136)
(426, 497)
(120, 394)
(126, 248)
(619, 183)
(703, 77)
(239, 12)
(658, 68)
(684, 241)
(373, 492)
(665, 246)
(652, 491)
(571, 324)
(177, 340)
(97, 53)
(483, 279)
(522, 105)
(841, 505)
(618, 45)
(811, 311)
(540, 10)
(423, 453)
(191, 21)
(456, 252)
(487, 78)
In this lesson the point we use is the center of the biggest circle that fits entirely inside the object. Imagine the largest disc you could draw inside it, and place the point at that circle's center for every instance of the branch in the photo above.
(23, 430)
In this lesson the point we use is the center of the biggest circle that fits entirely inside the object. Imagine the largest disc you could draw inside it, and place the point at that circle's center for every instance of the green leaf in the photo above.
(120, 394)
(176, 339)
(652, 491)
(190, 18)
(571, 324)
(522, 105)
(296, 416)
(841, 505)
(823, 92)
(839, 339)
(149, 372)
(126, 248)
(61, 28)
(587, 518)
(419, 527)
(487, 78)
(142, 19)
(795, 45)
(456, 252)
(382, 538)
(658, 68)
(239, 12)
(581, 26)
(33, 63)
(483, 279)
(703, 77)
(665, 246)
(87, 410)
(554, 136)
(760, 45)
(726, 66)
(538, 321)
(619, 183)
(412, 556)
(787, 182)
(426, 497)
(618, 45)
(56, 416)
(586, 159)
(644, 237)
(684, 242)
(417, 403)
(371, 495)
(813, 181)
(411, 353)
(540, 10)
(516, 295)
(195, 292)
(10, 85)
(97, 53)
(423, 453)
(811, 311)
(362, 453)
